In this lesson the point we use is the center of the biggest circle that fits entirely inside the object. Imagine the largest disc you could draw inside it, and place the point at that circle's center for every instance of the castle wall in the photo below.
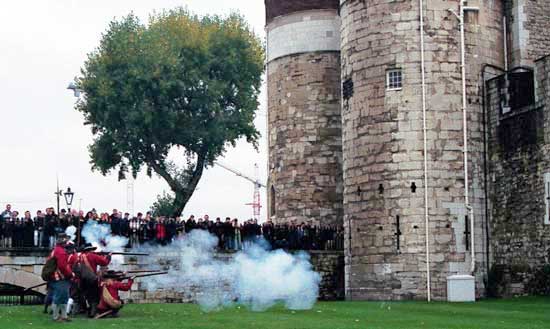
(24, 270)
(529, 21)
(303, 82)
(383, 145)
(519, 144)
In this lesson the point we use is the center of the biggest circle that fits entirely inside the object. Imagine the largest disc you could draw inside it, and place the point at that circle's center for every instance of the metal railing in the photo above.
(13, 295)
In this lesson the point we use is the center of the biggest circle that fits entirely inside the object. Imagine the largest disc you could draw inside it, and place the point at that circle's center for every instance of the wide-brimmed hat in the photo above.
(87, 247)
(110, 274)
(62, 237)
(70, 246)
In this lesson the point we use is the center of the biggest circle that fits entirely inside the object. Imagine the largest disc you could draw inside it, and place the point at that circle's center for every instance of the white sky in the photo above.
(43, 45)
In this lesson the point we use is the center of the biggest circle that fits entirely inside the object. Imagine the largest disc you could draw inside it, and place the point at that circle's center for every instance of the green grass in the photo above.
(531, 313)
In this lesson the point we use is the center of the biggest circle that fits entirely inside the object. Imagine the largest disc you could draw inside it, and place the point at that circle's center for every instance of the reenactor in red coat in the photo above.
(86, 265)
(110, 302)
(60, 279)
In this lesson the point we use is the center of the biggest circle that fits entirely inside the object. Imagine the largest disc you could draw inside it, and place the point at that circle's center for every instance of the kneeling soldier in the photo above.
(110, 302)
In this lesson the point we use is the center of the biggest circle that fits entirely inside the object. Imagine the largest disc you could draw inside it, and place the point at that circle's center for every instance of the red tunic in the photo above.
(73, 258)
(94, 260)
(114, 287)
(63, 268)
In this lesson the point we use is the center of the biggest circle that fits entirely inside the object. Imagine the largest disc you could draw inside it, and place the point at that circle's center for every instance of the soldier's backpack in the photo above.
(49, 268)
(85, 272)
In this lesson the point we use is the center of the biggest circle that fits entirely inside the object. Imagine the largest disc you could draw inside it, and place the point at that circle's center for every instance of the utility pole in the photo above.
(58, 194)
(130, 195)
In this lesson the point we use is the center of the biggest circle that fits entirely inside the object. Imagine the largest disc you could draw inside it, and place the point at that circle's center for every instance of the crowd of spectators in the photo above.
(42, 229)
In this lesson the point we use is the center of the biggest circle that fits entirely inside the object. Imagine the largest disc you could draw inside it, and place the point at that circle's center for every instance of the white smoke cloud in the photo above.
(71, 232)
(99, 235)
(257, 278)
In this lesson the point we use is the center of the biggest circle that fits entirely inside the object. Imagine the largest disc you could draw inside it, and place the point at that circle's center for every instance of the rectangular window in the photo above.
(394, 79)
(547, 198)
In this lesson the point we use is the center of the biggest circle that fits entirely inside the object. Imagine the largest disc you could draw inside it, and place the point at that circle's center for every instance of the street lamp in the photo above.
(72, 86)
(69, 195)
(69, 198)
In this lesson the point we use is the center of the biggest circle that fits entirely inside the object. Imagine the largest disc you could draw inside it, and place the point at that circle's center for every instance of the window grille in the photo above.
(394, 79)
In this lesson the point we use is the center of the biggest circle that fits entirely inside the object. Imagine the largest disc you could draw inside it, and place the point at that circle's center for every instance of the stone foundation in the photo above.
(24, 271)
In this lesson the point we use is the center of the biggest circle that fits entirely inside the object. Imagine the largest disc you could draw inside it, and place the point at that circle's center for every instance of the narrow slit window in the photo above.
(394, 79)
(547, 198)
(273, 203)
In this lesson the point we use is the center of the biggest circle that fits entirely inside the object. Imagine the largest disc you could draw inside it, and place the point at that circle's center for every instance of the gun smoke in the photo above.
(100, 236)
(256, 277)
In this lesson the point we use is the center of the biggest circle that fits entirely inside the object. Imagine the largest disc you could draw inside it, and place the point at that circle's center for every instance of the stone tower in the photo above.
(304, 122)
(383, 144)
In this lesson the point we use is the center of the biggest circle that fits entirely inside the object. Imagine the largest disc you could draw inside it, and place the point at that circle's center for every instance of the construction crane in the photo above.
(256, 201)
(130, 195)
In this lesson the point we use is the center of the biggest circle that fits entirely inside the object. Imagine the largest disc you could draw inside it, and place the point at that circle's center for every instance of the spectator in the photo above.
(161, 231)
(39, 222)
(28, 230)
(5, 217)
(45, 227)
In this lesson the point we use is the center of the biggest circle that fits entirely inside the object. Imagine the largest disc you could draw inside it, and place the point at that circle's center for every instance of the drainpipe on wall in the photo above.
(424, 130)
(467, 205)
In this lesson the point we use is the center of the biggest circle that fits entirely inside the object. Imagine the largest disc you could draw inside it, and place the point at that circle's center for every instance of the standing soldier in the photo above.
(87, 264)
(60, 279)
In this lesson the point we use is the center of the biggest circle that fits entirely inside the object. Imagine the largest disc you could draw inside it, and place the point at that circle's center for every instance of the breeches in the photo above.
(60, 290)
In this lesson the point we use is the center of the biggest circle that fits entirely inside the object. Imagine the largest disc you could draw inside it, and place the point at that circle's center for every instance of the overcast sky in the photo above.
(43, 45)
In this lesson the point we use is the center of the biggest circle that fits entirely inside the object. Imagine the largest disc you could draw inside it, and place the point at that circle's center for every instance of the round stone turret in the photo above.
(383, 144)
(304, 118)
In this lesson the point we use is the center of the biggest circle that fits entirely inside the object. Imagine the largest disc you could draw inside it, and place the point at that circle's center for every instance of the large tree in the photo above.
(180, 84)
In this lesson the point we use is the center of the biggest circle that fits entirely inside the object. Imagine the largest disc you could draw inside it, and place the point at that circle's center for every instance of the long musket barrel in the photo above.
(143, 271)
(37, 286)
(122, 253)
(144, 275)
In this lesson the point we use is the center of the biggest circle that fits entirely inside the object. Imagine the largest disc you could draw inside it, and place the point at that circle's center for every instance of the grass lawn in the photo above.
(531, 312)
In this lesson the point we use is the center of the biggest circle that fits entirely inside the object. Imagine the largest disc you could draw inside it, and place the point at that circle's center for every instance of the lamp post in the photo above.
(72, 86)
(58, 193)
(69, 195)
(69, 198)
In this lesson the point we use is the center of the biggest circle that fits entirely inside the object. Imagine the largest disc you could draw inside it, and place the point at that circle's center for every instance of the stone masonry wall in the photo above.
(305, 149)
(528, 24)
(519, 144)
(383, 145)
(24, 271)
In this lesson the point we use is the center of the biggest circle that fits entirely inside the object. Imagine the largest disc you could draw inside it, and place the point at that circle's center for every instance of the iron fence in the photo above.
(13, 296)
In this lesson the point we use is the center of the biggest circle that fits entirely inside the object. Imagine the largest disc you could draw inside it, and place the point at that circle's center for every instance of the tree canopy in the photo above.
(163, 206)
(181, 82)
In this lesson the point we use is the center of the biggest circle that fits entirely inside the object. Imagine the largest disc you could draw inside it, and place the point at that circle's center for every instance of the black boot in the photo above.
(46, 308)
(93, 310)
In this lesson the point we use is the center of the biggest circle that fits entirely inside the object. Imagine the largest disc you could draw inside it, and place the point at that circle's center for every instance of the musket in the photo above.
(37, 286)
(143, 271)
(121, 253)
(144, 275)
